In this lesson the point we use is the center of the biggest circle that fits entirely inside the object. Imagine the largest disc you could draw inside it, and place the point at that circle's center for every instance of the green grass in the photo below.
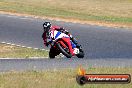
(8, 51)
(65, 78)
(118, 11)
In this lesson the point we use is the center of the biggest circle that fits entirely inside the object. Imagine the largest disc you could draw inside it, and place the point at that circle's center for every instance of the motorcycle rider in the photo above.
(46, 37)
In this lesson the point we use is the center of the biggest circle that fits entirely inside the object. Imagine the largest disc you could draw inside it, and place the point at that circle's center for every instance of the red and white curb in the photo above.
(22, 46)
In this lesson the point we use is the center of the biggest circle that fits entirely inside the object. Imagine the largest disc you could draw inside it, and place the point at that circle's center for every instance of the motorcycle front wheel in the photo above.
(64, 51)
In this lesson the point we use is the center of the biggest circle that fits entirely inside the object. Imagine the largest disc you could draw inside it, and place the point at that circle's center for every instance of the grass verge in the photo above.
(9, 51)
(111, 11)
(57, 78)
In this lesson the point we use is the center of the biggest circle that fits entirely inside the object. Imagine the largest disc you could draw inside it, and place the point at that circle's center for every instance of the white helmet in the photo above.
(46, 26)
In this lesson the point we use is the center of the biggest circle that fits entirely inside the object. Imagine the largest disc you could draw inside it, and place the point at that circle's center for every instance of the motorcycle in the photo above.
(61, 43)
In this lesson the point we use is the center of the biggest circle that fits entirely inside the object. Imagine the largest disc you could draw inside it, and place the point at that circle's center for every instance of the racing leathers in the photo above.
(47, 40)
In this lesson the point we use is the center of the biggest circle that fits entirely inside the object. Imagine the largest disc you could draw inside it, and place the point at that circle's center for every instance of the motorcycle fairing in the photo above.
(59, 35)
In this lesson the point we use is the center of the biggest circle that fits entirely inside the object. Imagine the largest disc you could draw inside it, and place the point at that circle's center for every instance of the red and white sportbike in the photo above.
(61, 43)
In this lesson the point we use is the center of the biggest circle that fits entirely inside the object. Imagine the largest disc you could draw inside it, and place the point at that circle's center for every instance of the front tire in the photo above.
(63, 51)
(52, 53)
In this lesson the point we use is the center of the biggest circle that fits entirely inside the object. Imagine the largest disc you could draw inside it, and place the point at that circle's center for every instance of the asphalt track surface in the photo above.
(103, 46)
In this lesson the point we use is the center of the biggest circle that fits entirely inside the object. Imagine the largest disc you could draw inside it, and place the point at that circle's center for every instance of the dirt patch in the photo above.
(10, 51)
(6, 48)
(100, 23)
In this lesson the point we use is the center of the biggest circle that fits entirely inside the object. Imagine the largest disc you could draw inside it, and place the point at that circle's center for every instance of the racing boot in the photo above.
(77, 45)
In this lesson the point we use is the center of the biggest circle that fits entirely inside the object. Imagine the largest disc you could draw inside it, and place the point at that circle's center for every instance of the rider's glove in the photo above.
(46, 44)
(70, 35)
(66, 32)
(61, 29)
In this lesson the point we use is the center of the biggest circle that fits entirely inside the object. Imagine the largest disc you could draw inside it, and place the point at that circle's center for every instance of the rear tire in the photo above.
(52, 53)
(63, 51)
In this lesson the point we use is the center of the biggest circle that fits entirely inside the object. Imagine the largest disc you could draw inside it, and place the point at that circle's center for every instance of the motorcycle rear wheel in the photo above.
(51, 54)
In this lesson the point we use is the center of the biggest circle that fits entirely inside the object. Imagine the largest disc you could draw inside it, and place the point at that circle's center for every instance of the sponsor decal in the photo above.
(83, 78)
